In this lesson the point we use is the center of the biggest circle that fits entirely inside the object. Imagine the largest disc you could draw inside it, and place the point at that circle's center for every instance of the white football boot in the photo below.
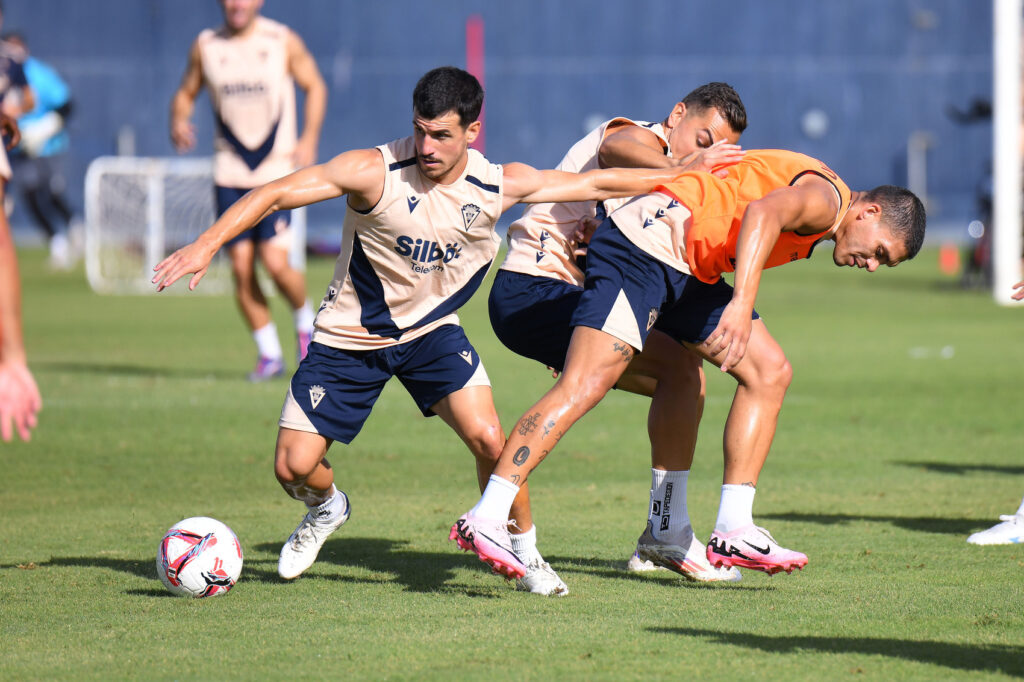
(1009, 532)
(688, 560)
(540, 578)
(303, 545)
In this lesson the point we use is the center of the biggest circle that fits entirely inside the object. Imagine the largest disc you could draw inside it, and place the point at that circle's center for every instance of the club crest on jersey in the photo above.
(414, 201)
(316, 394)
(469, 214)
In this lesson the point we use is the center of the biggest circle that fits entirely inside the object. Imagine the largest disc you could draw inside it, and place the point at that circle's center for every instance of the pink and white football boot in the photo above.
(491, 542)
(752, 547)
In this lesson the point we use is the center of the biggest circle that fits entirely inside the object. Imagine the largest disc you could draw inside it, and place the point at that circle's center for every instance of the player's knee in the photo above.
(486, 441)
(289, 467)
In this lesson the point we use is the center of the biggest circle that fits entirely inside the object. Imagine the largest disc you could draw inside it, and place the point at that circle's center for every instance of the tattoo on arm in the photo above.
(515, 478)
(547, 427)
(528, 424)
(522, 454)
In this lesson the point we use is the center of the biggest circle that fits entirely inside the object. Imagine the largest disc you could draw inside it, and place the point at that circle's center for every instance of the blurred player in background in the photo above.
(249, 67)
(38, 162)
(19, 396)
(418, 239)
(659, 258)
(538, 286)
(1010, 529)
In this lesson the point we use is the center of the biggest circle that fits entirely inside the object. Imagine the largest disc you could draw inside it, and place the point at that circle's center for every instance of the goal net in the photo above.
(138, 210)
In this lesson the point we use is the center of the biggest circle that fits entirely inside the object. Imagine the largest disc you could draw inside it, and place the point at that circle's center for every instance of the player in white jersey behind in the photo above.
(250, 67)
(538, 286)
(418, 238)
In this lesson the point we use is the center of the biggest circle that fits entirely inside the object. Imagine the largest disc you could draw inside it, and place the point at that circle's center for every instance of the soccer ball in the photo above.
(199, 557)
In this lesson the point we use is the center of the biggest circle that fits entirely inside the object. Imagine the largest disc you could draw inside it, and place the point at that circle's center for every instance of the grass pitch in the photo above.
(900, 436)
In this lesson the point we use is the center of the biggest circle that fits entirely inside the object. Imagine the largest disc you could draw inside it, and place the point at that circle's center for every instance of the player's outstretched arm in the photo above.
(811, 205)
(19, 395)
(525, 184)
(359, 173)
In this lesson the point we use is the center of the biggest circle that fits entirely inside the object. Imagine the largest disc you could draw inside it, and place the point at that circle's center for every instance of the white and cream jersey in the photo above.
(253, 97)
(410, 262)
(540, 242)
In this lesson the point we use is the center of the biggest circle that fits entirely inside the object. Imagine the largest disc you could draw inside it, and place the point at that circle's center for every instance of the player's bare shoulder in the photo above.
(359, 173)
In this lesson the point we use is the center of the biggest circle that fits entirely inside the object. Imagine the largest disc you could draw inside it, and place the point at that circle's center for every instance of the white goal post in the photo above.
(138, 210)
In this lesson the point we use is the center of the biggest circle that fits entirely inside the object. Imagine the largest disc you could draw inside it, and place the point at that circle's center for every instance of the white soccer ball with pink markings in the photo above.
(199, 557)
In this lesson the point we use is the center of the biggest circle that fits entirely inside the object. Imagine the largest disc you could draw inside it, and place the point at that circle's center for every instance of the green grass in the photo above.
(889, 453)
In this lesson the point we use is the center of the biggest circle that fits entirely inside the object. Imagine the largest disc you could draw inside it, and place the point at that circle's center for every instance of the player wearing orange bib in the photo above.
(770, 208)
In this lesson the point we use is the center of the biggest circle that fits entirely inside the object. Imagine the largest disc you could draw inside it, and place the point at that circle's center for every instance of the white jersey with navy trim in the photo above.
(253, 96)
(540, 243)
(409, 263)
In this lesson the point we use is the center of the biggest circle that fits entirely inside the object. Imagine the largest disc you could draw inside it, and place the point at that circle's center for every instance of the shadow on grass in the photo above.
(961, 469)
(923, 524)
(1006, 659)
(415, 571)
(106, 369)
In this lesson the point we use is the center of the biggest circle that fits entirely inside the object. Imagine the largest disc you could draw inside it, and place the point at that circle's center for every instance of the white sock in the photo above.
(525, 545)
(497, 499)
(267, 342)
(1020, 511)
(668, 513)
(736, 509)
(304, 318)
(330, 509)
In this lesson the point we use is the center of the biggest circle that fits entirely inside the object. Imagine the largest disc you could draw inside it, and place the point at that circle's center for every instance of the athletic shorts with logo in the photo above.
(272, 226)
(334, 389)
(627, 293)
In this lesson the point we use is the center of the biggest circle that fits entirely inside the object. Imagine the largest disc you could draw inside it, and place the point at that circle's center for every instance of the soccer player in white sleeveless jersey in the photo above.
(250, 67)
(541, 280)
(418, 238)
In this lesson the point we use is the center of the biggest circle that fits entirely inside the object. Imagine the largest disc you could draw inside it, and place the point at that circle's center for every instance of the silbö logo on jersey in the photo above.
(425, 255)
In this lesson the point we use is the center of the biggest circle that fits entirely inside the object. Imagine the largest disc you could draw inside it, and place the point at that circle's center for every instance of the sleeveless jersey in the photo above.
(410, 262)
(253, 99)
(540, 242)
(693, 222)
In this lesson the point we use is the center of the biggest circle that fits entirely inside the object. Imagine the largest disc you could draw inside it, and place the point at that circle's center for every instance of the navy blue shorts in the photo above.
(264, 230)
(333, 390)
(532, 315)
(628, 292)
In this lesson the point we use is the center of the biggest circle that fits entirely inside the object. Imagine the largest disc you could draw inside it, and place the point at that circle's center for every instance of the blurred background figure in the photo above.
(250, 66)
(38, 162)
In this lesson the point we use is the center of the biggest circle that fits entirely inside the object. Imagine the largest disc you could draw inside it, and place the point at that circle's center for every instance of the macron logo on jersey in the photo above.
(414, 201)
(648, 222)
(425, 255)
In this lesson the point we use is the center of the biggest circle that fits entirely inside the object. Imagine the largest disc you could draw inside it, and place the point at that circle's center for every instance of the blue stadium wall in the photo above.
(880, 70)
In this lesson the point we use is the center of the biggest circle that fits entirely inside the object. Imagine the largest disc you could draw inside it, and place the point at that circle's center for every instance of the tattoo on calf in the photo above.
(522, 454)
(749, 484)
(528, 424)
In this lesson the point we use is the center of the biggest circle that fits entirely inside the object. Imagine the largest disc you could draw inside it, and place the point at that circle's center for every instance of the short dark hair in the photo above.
(903, 212)
(719, 96)
(448, 88)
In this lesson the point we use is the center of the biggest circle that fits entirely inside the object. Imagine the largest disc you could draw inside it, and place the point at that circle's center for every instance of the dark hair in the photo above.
(719, 96)
(903, 212)
(448, 88)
